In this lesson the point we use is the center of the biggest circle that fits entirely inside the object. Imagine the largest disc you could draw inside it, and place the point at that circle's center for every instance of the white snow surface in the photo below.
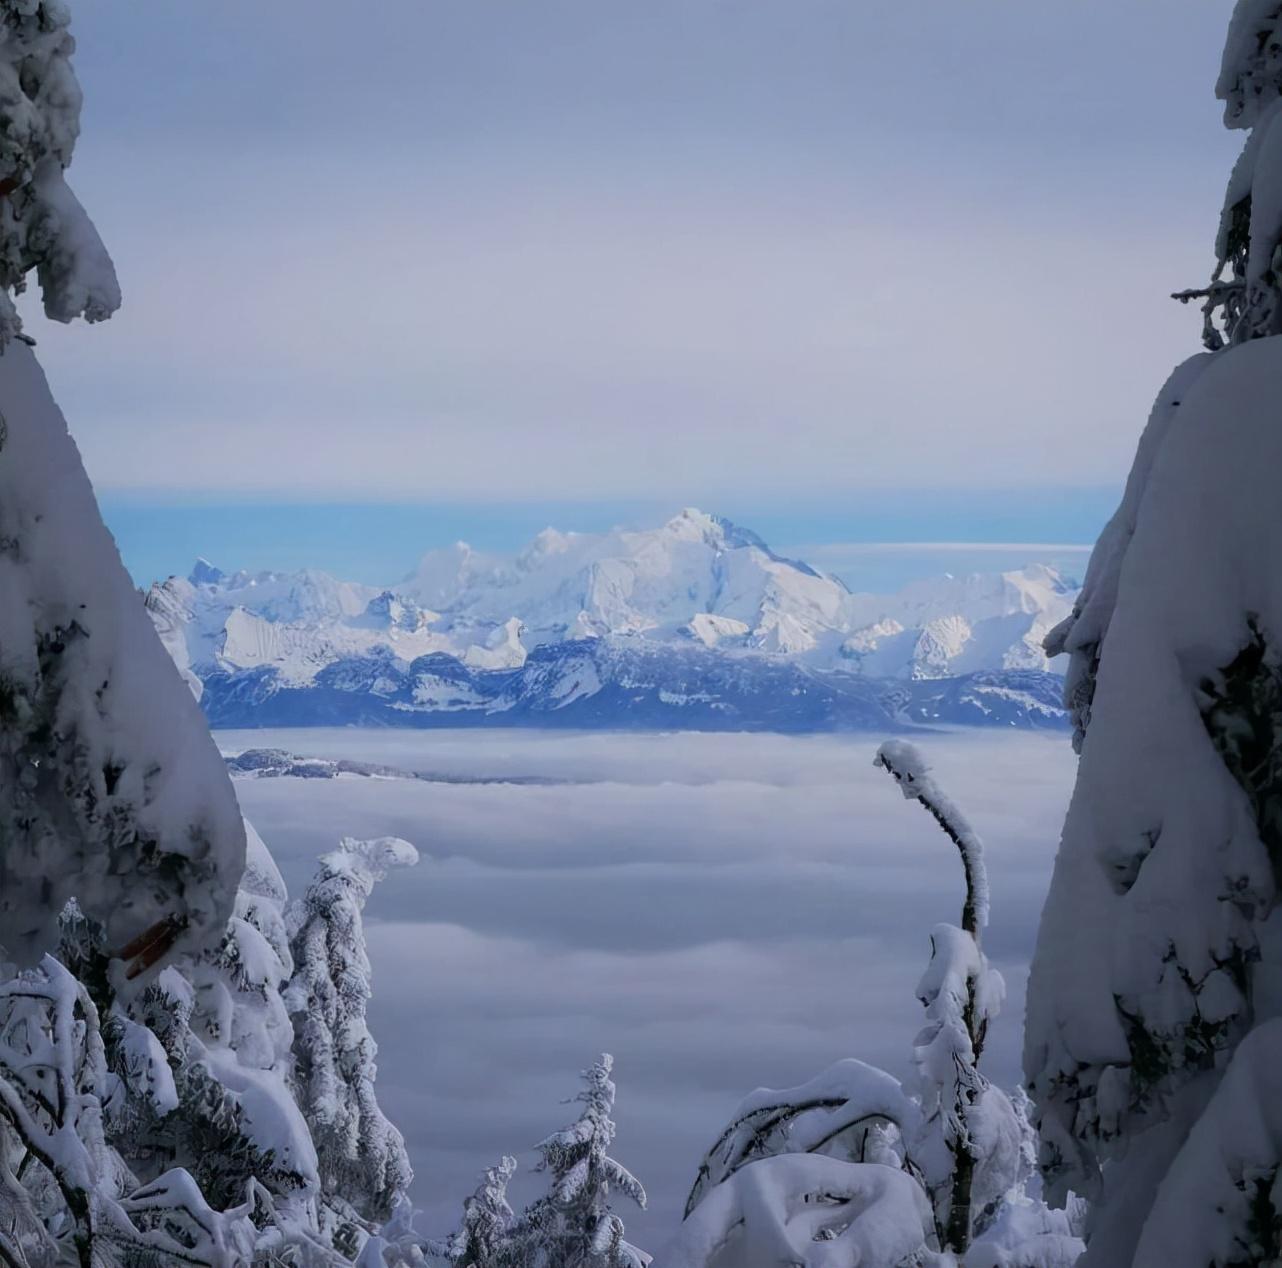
(124, 803)
(1203, 1211)
(697, 577)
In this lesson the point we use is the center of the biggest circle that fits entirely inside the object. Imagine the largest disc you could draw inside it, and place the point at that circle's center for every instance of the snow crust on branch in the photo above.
(908, 765)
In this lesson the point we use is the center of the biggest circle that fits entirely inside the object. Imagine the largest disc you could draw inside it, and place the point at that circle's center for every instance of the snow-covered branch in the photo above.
(904, 761)
(42, 224)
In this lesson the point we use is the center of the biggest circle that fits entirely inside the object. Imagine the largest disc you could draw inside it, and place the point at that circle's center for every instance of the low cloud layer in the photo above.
(720, 912)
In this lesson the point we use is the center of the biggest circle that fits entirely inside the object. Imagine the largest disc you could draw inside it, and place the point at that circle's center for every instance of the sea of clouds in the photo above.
(720, 912)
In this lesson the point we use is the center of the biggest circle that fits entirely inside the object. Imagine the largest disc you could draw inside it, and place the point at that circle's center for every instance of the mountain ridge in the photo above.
(698, 620)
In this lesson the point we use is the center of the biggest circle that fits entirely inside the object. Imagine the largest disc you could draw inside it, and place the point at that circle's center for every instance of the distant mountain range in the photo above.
(695, 624)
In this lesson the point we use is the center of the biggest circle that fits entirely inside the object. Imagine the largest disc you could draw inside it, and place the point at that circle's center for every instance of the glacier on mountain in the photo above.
(696, 617)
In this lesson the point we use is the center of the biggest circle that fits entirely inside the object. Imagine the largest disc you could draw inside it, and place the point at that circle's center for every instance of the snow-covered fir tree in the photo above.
(42, 225)
(364, 1169)
(856, 1168)
(574, 1224)
(110, 787)
(484, 1240)
(1153, 994)
(1244, 298)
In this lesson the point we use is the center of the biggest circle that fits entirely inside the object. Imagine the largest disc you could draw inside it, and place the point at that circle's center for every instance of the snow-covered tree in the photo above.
(484, 1239)
(961, 994)
(364, 1169)
(1154, 984)
(838, 1172)
(1242, 300)
(66, 1195)
(111, 790)
(200, 1058)
(574, 1225)
(42, 225)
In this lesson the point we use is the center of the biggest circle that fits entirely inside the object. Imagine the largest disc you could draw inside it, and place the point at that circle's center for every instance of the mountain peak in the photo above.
(203, 573)
(693, 523)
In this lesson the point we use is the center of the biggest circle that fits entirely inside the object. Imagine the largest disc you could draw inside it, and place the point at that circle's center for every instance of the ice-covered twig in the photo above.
(905, 762)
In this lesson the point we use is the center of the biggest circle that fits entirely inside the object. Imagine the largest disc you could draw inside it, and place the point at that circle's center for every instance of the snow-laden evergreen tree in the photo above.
(1154, 987)
(574, 1224)
(484, 1240)
(202, 1064)
(364, 1170)
(1242, 301)
(110, 787)
(42, 225)
(841, 1170)
(67, 1196)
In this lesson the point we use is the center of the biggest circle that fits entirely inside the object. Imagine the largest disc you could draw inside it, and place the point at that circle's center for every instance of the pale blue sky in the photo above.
(516, 262)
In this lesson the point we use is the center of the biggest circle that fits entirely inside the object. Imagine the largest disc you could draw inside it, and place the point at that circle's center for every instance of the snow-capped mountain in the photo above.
(698, 617)
(698, 575)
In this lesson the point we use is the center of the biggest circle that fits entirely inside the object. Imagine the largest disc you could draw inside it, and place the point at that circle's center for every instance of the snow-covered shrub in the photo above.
(810, 1210)
(963, 1148)
(364, 1170)
(851, 1111)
